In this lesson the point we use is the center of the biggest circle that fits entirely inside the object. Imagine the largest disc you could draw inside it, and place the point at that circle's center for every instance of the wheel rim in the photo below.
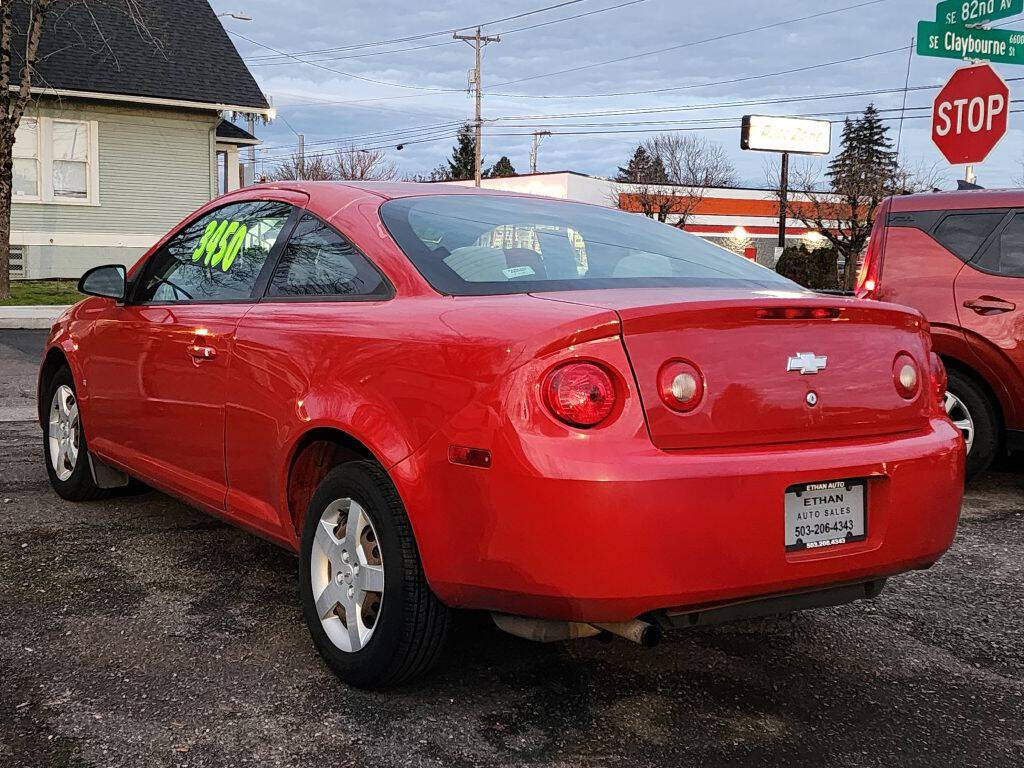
(63, 432)
(347, 574)
(962, 420)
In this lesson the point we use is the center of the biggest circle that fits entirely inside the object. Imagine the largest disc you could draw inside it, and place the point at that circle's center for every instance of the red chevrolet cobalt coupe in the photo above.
(577, 419)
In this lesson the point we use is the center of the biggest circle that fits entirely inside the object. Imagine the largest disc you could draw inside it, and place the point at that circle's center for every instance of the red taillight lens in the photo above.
(680, 385)
(906, 376)
(870, 270)
(939, 383)
(580, 394)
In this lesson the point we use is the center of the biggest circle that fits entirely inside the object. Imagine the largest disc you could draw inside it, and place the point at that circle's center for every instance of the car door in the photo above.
(157, 367)
(315, 331)
(990, 302)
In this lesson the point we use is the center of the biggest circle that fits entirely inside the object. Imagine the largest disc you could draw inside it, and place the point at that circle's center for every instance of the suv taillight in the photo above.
(939, 382)
(870, 273)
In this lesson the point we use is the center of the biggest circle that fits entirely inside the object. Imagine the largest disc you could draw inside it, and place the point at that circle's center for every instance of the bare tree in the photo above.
(694, 164)
(364, 165)
(12, 107)
(309, 168)
(920, 177)
(25, 21)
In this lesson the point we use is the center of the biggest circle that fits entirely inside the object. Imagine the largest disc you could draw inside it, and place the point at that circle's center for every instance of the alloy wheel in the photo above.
(347, 574)
(63, 432)
(961, 417)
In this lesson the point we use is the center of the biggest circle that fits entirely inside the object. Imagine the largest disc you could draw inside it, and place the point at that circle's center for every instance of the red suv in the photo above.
(959, 258)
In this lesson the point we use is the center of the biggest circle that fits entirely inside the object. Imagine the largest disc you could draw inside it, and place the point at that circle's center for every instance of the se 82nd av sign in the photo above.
(976, 11)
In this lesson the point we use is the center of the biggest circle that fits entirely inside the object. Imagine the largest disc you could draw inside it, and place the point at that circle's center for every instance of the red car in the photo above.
(958, 257)
(576, 418)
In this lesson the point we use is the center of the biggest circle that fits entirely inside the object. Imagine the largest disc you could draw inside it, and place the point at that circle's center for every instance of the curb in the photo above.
(31, 316)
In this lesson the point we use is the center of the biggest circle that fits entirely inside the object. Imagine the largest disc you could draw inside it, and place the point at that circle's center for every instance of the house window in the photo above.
(55, 161)
(70, 169)
(26, 160)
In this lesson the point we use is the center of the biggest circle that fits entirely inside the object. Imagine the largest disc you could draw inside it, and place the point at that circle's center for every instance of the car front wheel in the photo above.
(971, 411)
(64, 447)
(366, 601)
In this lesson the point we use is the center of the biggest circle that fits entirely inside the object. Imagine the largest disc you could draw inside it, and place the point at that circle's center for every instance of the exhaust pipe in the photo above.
(548, 631)
(636, 631)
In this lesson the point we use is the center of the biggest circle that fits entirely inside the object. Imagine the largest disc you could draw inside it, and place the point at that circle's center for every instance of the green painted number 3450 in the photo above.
(221, 242)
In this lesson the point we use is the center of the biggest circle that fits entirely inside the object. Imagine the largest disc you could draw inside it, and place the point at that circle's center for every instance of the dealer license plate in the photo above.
(825, 514)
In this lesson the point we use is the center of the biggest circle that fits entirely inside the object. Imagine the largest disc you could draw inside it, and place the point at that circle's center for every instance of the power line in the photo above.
(425, 35)
(678, 46)
(260, 63)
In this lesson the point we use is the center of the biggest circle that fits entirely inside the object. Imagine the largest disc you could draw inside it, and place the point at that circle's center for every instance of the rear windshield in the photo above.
(494, 244)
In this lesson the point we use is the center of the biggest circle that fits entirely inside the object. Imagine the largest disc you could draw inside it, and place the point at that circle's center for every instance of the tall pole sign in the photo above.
(787, 135)
(971, 112)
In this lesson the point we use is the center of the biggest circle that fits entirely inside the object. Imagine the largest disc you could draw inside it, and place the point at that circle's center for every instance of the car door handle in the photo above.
(989, 305)
(199, 353)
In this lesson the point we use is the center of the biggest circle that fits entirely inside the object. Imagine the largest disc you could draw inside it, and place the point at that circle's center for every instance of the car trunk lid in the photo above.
(761, 355)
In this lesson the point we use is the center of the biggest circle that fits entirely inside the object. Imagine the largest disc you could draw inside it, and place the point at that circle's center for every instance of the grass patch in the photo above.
(25, 292)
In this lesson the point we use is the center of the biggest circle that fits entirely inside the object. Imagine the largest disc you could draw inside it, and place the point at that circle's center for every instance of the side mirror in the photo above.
(107, 281)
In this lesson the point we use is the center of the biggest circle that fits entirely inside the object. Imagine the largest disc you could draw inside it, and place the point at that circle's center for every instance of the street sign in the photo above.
(970, 113)
(960, 12)
(1004, 46)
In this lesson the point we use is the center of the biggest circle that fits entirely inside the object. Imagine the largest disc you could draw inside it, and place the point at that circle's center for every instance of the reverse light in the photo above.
(938, 382)
(905, 376)
(580, 394)
(680, 385)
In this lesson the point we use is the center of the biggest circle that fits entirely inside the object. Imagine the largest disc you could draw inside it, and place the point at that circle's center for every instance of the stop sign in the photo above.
(970, 114)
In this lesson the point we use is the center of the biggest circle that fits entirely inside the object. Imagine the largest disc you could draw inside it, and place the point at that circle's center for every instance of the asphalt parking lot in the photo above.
(137, 632)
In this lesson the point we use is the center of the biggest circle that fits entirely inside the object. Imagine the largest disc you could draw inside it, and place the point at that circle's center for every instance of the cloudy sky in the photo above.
(694, 58)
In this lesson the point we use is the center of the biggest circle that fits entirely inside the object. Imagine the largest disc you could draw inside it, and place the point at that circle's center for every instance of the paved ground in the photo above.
(137, 632)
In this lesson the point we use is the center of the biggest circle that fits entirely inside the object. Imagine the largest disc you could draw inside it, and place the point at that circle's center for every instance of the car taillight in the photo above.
(870, 273)
(939, 383)
(681, 385)
(905, 376)
(580, 394)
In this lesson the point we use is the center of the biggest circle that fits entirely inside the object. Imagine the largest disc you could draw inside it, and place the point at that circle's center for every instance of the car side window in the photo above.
(319, 261)
(217, 257)
(963, 233)
(1005, 254)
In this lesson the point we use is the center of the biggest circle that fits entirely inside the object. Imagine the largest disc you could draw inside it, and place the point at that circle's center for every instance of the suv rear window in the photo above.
(498, 244)
(963, 233)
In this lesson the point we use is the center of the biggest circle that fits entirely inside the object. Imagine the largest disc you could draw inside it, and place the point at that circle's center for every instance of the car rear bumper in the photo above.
(582, 537)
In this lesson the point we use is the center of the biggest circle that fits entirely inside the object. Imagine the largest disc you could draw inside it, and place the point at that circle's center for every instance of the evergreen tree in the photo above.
(643, 168)
(462, 164)
(860, 176)
(867, 161)
(501, 168)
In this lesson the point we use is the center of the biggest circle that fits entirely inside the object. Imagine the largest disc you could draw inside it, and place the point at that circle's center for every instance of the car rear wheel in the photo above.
(973, 414)
(64, 446)
(366, 601)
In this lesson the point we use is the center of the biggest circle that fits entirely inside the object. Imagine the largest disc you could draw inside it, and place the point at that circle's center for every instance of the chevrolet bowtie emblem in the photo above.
(807, 363)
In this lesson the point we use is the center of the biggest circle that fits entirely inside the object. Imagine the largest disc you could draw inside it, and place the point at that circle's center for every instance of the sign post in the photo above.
(787, 135)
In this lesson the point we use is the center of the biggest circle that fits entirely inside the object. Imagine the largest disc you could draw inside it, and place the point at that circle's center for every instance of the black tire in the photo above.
(986, 423)
(412, 624)
(79, 485)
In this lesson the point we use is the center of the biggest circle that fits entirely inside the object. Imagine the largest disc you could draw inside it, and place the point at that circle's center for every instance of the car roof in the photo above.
(960, 200)
(388, 190)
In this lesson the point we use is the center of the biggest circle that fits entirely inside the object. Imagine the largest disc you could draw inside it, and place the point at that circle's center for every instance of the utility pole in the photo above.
(250, 126)
(537, 136)
(300, 160)
(478, 41)
(783, 202)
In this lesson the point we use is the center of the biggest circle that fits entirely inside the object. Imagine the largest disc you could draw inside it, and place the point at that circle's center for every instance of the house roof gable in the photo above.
(176, 51)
